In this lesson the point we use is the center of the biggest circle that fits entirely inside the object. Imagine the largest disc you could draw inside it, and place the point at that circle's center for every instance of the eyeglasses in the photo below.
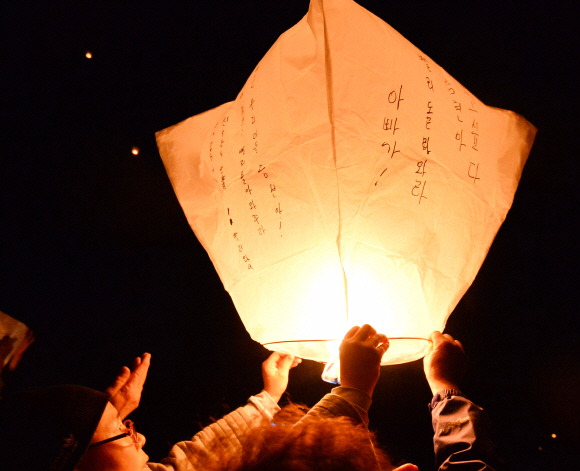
(129, 433)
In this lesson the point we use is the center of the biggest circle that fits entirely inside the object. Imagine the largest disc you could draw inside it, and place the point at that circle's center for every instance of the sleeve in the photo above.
(462, 439)
(226, 434)
(342, 402)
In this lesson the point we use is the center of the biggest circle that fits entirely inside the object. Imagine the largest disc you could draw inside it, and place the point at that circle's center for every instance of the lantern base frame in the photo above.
(401, 350)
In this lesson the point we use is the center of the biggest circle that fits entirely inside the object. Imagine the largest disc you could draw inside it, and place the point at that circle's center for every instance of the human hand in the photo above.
(445, 363)
(6, 344)
(125, 392)
(26, 342)
(361, 351)
(275, 371)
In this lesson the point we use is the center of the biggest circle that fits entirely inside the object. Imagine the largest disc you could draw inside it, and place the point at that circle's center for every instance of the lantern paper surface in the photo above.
(351, 181)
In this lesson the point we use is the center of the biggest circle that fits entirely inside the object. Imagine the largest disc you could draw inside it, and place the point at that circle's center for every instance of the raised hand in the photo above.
(125, 392)
(361, 352)
(275, 370)
(445, 363)
(26, 342)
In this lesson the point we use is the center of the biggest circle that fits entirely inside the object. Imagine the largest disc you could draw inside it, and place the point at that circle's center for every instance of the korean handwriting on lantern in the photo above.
(240, 248)
(425, 61)
(224, 121)
(244, 182)
(458, 113)
(419, 188)
(223, 177)
(211, 156)
(261, 170)
(390, 122)
(473, 170)
(389, 125)
(428, 117)
(426, 145)
(279, 212)
(428, 78)
(450, 89)
(459, 137)
(474, 126)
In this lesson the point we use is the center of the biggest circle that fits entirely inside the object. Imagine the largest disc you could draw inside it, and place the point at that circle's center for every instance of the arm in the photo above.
(342, 402)
(223, 437)
(462, 439)
(227, 434)
(462, 429)
(361, 352)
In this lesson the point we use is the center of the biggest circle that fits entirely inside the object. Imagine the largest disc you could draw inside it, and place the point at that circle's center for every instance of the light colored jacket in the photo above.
(227, 433)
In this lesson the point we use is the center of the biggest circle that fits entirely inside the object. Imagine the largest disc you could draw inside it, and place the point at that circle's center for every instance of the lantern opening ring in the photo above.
(339, 340)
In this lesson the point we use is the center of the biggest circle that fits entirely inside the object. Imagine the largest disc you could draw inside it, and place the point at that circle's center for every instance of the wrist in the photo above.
(273, 395)
(444, 394)
(365, 389)
(437, 386)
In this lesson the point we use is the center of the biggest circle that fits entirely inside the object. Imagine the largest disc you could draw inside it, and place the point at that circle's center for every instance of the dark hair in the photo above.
(48, 428)
(295, 442)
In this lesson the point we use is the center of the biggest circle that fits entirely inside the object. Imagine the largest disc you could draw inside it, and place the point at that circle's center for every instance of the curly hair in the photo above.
(292, 442)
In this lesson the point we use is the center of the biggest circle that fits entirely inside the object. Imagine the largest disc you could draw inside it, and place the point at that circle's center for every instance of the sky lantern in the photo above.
(351, 181)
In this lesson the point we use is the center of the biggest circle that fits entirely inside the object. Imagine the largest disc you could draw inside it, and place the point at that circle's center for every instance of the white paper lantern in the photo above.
(351, 181)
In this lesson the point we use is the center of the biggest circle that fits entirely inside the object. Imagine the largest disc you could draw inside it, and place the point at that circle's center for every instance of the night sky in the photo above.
(96, 255)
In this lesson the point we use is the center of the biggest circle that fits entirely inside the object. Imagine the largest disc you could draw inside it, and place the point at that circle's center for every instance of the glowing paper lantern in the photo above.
(351, 181)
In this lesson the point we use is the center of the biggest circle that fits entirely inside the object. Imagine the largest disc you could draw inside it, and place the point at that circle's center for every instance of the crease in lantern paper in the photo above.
(330, 101)
(272, 265)
(418, 261)
(272, 160)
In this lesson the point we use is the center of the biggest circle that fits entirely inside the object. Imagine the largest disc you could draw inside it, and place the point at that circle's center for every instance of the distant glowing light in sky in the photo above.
(135, 150)
(553, 435)
(89, 55)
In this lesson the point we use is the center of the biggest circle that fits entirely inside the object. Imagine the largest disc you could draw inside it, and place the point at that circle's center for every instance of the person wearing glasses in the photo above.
(69, 428)
(66, 428)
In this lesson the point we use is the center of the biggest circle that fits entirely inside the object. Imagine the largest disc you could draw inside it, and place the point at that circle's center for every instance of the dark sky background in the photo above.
(97, 258)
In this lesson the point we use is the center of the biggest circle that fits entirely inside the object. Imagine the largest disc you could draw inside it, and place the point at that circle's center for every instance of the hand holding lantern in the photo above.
(445, 363)
(275, 370)
(361, 352)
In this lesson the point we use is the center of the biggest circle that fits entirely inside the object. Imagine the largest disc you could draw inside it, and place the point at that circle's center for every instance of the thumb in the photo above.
(407, 467)
(287, 362)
